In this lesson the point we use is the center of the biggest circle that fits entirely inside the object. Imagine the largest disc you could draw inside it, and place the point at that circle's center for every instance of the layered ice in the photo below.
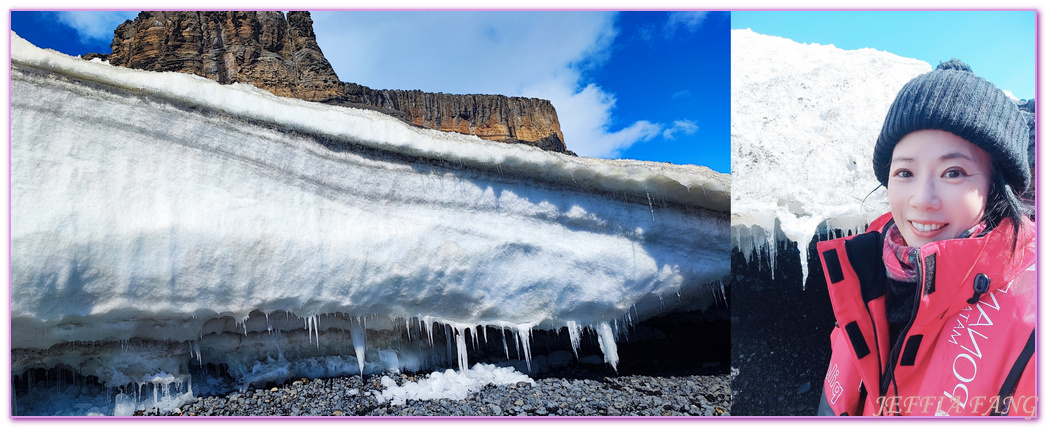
(804, 120)
(164, 224)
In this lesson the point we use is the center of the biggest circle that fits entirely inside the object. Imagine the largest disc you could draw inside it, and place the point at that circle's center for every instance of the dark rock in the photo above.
(279, 54)
(91, 56)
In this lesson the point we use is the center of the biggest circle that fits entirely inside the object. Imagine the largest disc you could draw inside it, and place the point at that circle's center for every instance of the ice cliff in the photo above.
(163, 222)
(804, 120)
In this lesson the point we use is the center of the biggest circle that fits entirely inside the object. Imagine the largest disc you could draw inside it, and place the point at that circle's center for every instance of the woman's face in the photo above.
(938, 186)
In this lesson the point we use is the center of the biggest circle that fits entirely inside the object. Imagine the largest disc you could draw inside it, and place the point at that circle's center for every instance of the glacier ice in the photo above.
(450, 384)
(804, 119)
(163, 225)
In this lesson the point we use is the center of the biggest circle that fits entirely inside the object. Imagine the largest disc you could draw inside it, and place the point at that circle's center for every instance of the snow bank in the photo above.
(455, 385)
(804, 121)
(687, 184)
(163, 222)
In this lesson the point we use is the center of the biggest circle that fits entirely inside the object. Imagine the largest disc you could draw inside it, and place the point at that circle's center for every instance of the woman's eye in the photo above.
(954, 173)
(903, 173)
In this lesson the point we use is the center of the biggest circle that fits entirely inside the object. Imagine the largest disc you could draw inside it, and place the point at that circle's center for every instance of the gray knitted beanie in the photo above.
(952, 98)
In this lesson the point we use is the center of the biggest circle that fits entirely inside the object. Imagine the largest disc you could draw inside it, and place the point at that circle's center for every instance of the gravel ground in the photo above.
(779, 337)
(684, 371)
(551, 396)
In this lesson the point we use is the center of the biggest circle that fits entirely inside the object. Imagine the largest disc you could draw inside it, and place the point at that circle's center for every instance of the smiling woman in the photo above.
(810, 91)
(938, 186)
(935, 304)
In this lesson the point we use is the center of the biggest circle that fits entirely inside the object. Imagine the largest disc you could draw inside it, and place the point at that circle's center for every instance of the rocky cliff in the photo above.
(279, 54)
(493, 117)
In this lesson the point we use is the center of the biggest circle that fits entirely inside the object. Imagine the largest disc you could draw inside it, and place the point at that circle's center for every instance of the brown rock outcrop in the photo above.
(280, 54)
(493, 117)
(259, 48)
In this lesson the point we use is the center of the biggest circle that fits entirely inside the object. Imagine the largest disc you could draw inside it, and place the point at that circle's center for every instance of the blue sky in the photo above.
(637, 85)
(998, 45)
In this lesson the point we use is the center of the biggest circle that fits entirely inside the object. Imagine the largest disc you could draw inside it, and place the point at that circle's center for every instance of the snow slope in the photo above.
(804, 121)
(161, 221)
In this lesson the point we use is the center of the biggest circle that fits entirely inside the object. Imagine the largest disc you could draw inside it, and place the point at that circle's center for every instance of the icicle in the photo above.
(308, 328)
(504, 344)
(475, 336)
(407, 325)
(575, 332)
(463, 357)
(516, 343)
(525, 344)
(605, 336)
(723, 294)
(316, 329)
(429, 330)
(803, 264)
(650, 204)
(356, 330)
(772, 250)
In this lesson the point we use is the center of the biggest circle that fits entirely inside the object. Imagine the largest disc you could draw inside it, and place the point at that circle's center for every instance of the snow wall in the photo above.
(162, 221)
(804, 120)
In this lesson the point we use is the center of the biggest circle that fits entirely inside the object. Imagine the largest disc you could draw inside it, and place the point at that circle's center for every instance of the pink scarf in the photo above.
(900, 259)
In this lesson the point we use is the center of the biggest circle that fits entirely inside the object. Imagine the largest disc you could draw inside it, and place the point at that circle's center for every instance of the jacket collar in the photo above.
(951, 267)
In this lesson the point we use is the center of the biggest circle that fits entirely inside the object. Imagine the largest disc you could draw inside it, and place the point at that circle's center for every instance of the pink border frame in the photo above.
(394, 419)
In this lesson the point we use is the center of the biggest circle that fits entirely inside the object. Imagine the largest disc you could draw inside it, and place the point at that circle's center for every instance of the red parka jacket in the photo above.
(970, 347)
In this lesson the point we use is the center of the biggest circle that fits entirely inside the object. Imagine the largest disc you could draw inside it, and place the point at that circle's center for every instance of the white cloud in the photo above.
(687, 21)
(92, 25)
(585, 117)
(532, 54)
(686, 127)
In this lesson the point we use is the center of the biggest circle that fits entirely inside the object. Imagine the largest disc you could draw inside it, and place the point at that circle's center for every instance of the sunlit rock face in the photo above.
(264, 49)
(167, 229)
(280, 54)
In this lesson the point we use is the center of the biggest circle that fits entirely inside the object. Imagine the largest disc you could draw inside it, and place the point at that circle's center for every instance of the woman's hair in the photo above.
(1004, 203)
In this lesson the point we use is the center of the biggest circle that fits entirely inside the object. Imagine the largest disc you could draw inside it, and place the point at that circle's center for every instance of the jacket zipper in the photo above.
(888, 377)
